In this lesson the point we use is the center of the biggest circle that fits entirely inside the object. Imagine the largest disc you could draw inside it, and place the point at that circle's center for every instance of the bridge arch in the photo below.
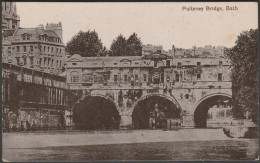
(151, 109)
(159, 95)
(96, 111)
(204, 104)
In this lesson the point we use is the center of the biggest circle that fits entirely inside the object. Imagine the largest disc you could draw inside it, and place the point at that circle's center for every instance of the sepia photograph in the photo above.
(130, 81)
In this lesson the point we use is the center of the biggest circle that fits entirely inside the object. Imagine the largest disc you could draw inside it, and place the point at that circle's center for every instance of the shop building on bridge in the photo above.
(188, 81)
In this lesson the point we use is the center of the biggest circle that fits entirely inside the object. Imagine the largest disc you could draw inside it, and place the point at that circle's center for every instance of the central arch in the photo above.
(96, 112)
(156, 111)
(217, 106)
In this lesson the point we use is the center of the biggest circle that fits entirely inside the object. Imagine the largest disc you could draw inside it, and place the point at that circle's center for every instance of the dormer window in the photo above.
(26, 36)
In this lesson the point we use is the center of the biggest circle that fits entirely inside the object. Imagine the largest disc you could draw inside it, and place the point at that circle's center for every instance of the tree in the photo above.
(244, 76)
(118, 46)
(86, 44)
(130, 47)
(134, 45)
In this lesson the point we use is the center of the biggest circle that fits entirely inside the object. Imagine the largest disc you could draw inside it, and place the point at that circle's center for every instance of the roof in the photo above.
(112, 58)
(105, 59)
(35, 31)
(7, 33)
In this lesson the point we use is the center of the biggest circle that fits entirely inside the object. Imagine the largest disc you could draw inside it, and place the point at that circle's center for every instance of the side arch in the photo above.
(220, 103)
(211, 95)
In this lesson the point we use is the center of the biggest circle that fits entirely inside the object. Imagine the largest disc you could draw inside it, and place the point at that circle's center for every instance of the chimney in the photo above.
(57, 28)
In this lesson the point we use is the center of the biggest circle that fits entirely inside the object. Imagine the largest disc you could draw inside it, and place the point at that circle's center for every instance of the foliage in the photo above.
(86, 44)
(134, 45)
(118, 46)
(130, 47)
(245, 74)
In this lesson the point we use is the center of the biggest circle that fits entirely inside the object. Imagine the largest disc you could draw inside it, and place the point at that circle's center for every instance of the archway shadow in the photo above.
(145, 116)
(95, 113)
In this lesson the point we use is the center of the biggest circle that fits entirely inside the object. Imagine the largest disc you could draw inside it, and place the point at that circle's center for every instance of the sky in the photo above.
(157, 23)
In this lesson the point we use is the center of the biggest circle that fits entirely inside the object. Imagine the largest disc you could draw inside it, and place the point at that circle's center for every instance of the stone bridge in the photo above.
(190, 85)
(187, 100)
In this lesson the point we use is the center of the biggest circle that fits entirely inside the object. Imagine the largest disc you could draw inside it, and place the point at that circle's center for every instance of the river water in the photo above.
(148, 145)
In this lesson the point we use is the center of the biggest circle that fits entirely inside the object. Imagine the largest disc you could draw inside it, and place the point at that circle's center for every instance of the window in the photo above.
(31, 47)
(18, 60)
(40, 61)
(219, 76)
(179, 64)
(48, 49)
(220, 63)
(44, 48)
(187, 96)
(28, 37)
(115, 78)
(198, 76)
(198, 63)
(18, 48)
(155, 64)
(136, 78)
(9, 49)
(24, 61)
(145, 78)
(57, 50)
(74, 63)
(168, 63)
(24, 38)
(115, 63)
(74, 76)
(95, 79)
(24, 48)
(177, 76)
(51, 49)
(125, 78)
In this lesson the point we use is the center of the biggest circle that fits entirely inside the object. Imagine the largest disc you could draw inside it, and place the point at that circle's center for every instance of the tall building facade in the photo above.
(39, 48)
